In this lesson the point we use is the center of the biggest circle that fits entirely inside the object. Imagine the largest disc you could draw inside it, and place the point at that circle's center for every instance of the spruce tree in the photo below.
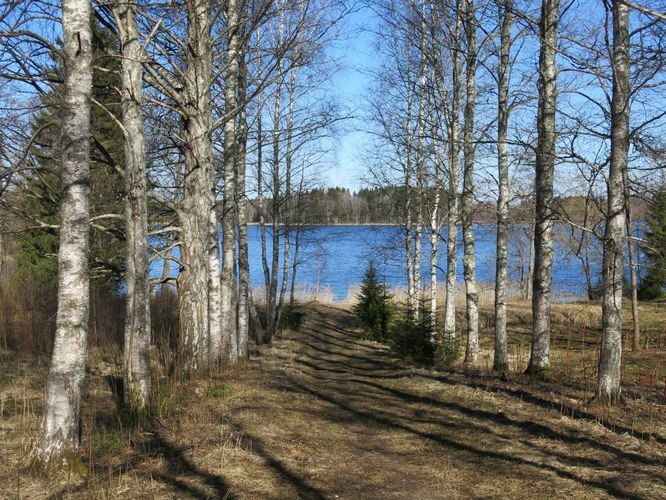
(41, 203)
(652, 285)
(374, 309)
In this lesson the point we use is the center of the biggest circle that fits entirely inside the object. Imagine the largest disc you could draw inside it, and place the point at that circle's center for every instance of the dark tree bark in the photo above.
(545, 173)
(501, 359)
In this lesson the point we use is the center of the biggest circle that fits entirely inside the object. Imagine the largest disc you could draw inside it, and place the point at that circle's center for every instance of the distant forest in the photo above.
(385, 205)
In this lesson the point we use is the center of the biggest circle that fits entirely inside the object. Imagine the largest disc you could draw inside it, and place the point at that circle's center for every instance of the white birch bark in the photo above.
(60, 428)
(412, 305)
(545, 173)
(229, 211)
(216, 335)
(467, 198)
(420, 161)
(194, 213)
(454, 159)
(434, 258)
(501, 358)
(137, 381)
(610, 358)
(272, 292)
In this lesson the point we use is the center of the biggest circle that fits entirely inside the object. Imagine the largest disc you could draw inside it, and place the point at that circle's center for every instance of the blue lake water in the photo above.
(336, 257)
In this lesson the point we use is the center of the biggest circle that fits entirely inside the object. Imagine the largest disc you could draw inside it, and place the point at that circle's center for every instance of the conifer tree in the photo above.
(374, 309)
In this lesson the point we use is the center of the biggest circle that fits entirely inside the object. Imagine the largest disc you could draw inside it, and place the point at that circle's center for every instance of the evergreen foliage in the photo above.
(652, 285)
(411, 339)
(374, 309)
(37, 256)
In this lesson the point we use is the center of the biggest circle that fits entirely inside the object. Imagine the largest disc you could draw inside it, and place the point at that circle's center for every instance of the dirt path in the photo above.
(335, 418)
(322, 414)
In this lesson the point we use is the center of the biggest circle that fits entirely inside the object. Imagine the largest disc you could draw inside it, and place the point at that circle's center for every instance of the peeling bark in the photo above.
(137, 311)
(60, 428)
(194, 213)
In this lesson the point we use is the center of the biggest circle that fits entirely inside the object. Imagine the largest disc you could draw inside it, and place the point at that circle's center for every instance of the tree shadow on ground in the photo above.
(178, 465)
(305, 490)
(378, 418)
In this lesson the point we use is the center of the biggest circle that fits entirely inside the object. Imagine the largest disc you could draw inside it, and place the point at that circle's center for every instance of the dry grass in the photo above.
(323, 414)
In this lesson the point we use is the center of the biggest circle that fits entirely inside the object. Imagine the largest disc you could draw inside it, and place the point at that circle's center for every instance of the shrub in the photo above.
(450, 349)
(411, 339)
(291, 319)
(220, 390)
(374, 309)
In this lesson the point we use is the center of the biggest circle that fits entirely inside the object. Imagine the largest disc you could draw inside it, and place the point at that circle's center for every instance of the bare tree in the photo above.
(467, 198)
(195, 210)
(501, 359)
(545, 173)
(610, 358)
(454, 166)
(137, 283)
(60, 429)
(233, 56)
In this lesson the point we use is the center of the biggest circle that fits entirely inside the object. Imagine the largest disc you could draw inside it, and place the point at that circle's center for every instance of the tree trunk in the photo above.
(166, 263)
(454, 159)
(636, 339)
(412, 306)
(217, 337)
(501, 359)
(434, 257)
(610, 359)
(137, 282)
(60, 428)
(545, 173)
(241, 207)
(229, 212)
(286, 266)
(467, 198)
(194, 213)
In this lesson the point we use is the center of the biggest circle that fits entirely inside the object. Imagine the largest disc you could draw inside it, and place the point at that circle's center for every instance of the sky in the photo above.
(351, 85)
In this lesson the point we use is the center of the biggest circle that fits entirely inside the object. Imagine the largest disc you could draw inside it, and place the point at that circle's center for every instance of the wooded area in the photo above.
(139, 134)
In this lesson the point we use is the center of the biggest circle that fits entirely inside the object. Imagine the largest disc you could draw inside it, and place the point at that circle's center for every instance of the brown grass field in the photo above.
(324, 414)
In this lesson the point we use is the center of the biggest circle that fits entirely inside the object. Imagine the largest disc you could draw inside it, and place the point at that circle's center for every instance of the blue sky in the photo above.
(350, 85)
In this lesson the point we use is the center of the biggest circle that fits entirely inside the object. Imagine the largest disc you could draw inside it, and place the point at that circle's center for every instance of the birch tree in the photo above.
(60, 428)
(137, 284)
(501, 358)
(230, 158)
(545, 173)
(467, 198)
(454, 160)
(194, 213)
(610, 359)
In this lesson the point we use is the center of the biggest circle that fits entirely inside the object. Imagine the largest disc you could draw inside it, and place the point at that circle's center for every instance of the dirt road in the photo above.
(335, 417)
(321, 414)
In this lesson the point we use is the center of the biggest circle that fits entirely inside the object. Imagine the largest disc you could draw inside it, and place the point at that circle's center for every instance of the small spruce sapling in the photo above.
(374, 309)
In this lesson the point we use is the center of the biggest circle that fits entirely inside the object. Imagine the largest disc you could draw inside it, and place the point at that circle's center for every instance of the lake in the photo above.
(336, 257)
